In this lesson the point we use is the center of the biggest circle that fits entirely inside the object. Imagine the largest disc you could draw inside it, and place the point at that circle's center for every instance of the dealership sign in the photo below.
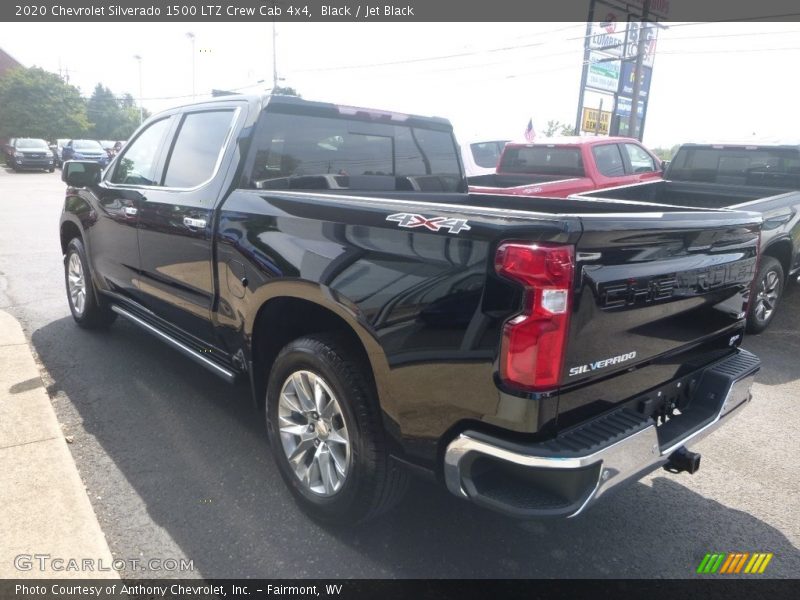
(603, 73)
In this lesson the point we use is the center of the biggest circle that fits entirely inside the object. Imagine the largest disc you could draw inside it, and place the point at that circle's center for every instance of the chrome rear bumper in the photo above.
(544, 480)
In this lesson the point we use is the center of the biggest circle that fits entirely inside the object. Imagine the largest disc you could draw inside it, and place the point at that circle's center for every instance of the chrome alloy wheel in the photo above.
(313, 433)
(767, 296)
(77, 283)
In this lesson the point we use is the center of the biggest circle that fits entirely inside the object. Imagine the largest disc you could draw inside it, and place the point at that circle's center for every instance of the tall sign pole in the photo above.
(637, 75)
(586, 56)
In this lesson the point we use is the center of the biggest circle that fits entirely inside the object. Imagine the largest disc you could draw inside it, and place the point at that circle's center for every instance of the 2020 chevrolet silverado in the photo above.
(530, 354)
(763, 178)
(559, 167)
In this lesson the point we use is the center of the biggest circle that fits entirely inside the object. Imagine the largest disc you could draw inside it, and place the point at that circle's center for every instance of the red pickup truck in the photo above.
(558, 167)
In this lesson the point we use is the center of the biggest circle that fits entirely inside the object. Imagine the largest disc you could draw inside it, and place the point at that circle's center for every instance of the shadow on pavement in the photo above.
(194, 451)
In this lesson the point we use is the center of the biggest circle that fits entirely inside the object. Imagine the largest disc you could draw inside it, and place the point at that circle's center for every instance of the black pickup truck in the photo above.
(528, 353)
(763, 178)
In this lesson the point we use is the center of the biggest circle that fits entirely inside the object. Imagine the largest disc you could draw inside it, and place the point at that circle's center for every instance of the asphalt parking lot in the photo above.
(176, 466)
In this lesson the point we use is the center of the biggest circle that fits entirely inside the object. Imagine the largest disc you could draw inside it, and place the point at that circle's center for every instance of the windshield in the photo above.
(87, 145)
(542, 160)
(315, 152)
(767, 167)
(32, 144)
(485, 154)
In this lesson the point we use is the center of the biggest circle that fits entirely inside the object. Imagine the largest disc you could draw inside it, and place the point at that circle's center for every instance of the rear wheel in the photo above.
(84, 304)
(766, 294)
(326, 434)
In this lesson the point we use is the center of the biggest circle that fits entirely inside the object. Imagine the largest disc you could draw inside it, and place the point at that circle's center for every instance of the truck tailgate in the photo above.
(646, 288)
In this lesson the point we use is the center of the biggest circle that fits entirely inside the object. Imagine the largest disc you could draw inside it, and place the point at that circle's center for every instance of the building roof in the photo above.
(7, 62)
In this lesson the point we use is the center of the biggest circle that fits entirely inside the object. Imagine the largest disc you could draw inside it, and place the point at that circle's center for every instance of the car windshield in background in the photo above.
(768, 167)
(486, 154)
(89, 145)
(311, 152)
(31, 144)
(543, 160)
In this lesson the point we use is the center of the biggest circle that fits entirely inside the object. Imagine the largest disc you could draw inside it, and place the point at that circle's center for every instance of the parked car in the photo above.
(480, 158)
(58, 148)
(530, 354)
(30, 154)
(108, 146)
(763, 178)
(84, 150)
(558, 167)
(7, 147)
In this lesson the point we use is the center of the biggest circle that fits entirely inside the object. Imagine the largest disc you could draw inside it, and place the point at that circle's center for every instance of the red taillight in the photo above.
(532, 350)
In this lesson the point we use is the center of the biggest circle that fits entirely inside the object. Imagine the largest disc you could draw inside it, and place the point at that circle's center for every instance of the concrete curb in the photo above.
(44, 509)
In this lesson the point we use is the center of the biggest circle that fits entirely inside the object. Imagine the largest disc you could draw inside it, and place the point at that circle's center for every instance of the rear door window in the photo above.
(197, 148)
(609, 160)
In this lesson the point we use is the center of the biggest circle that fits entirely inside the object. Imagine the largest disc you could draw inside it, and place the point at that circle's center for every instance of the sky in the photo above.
(710, 81)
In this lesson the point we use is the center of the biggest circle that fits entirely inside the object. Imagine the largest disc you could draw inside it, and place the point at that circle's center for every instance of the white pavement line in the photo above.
(44, 509)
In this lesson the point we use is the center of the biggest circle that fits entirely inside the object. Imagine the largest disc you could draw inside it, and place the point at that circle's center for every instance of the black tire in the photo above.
(373, 482)
(51, 170)
(767, 292)
(94, 313)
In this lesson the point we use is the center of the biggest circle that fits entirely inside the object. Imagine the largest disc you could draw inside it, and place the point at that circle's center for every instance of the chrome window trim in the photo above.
(234, 121)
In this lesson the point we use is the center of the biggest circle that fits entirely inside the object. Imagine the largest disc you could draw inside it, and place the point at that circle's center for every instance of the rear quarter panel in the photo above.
(426, 305)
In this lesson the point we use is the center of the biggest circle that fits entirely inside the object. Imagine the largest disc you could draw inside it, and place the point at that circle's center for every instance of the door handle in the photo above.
(194, 223)
(131, 211)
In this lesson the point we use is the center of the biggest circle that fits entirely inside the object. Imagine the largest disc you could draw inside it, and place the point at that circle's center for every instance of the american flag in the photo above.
(530, 134)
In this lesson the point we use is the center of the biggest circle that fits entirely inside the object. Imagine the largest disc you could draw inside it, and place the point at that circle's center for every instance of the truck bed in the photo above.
(689, 194)
(508, 180)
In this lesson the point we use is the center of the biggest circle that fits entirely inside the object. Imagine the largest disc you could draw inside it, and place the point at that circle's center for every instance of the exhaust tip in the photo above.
(683, 460)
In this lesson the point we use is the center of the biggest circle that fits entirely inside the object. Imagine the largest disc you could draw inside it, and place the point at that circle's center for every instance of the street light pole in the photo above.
(141, 110)
(190, 35)
(274, 59)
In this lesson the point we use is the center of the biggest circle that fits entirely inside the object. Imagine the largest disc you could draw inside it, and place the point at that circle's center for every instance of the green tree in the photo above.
(666, 153)
(280, 90)
(557, 128)
(112, 118)
(104, 112)
(35, 103)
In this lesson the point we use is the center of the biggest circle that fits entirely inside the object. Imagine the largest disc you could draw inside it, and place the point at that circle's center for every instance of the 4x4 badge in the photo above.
(411, 220)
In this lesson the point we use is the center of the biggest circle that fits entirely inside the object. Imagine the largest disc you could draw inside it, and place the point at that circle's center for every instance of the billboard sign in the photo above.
(650, 32)
(624, 107)
(608, 32)
(603, 73)
(589, 122)
(627, 79)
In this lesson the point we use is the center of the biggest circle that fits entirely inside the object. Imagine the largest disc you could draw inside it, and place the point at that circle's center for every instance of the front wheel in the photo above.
(326, 433)
(84, 303)
(766, 294)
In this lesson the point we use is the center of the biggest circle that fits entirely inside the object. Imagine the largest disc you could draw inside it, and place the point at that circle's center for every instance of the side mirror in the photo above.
(664, 165)
(80, 173)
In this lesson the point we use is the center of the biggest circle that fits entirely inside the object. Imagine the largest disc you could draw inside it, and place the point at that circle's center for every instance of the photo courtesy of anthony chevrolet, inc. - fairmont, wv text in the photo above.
(421, 299)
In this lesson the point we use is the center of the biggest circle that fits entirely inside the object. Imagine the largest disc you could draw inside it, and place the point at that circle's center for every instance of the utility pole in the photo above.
(141, 110)
(274, 59)
(586, 56)
(190, 35)
(637, 74)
